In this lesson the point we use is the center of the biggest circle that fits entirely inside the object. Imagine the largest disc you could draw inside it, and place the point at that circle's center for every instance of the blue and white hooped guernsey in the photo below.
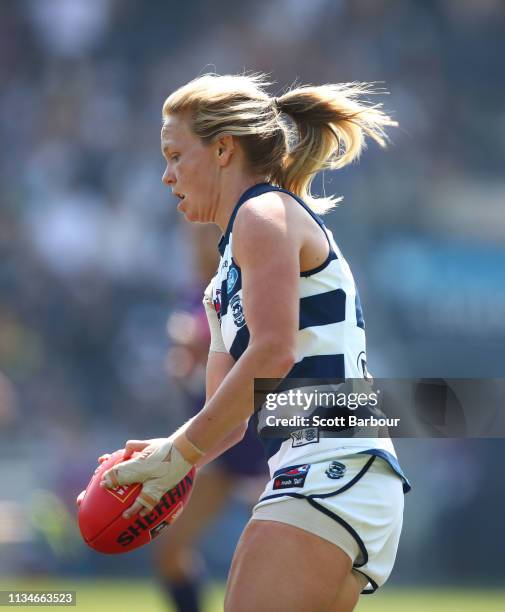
(330, 343)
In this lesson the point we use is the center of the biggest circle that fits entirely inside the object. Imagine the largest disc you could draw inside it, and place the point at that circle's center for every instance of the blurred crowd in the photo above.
(93, 255)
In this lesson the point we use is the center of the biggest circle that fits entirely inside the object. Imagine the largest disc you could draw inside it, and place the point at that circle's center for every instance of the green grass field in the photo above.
(117, 596)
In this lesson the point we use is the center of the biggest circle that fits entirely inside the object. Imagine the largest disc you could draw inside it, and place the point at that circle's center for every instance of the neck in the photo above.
(229, 197)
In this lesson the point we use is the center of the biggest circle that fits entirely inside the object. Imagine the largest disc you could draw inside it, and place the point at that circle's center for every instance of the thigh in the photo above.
(282, 568)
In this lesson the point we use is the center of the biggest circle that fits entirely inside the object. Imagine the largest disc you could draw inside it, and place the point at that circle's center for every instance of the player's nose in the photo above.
(168, 177)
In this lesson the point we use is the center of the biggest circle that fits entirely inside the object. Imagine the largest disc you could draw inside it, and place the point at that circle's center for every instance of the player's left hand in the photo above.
(160, 466)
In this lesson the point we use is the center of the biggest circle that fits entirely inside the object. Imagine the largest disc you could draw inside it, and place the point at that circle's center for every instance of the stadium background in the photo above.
(91, 249)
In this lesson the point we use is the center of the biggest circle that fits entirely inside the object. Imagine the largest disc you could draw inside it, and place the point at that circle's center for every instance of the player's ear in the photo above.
(224, 148)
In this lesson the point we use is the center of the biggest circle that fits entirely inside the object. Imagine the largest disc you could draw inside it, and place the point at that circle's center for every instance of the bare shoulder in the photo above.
(270, 216)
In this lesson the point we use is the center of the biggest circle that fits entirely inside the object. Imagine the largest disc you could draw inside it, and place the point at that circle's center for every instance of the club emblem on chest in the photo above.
(335, 470)
(237, 311)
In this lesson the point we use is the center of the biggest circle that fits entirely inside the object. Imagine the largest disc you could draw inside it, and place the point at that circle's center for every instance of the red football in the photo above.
(100, 512)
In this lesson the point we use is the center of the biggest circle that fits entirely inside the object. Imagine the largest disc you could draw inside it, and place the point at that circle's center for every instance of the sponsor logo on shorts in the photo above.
(294, 477)
(301, 437)
(335, 470)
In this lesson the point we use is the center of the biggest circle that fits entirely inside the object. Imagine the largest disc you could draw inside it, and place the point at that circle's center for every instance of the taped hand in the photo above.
(160, 466)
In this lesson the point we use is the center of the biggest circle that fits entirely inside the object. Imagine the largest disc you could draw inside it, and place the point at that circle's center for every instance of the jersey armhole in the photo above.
(331, 252)
(331, 256)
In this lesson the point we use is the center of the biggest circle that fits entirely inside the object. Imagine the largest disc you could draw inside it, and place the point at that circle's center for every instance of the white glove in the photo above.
(162, 464)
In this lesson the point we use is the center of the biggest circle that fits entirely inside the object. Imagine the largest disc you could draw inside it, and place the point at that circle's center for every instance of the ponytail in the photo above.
(331, 124)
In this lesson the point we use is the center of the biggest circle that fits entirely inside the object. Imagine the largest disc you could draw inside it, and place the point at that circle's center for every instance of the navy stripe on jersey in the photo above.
(322, 309)
(240, 342)
(360, 321)
(319, 366)
(223, 300)
(272, 445)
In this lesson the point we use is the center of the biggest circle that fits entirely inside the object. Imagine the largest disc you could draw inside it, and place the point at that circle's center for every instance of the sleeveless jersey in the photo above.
(330, 341)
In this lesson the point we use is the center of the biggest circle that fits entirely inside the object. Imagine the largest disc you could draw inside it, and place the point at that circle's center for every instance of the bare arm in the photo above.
(218, 366)
(269, 276)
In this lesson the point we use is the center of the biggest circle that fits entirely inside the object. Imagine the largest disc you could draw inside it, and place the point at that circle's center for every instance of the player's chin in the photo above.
(192, 218)
(191, 214)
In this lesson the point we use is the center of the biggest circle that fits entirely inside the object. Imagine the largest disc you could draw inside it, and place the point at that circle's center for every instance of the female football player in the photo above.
(282, 305)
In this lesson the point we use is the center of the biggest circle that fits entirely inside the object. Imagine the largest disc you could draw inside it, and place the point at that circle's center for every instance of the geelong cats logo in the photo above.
(237, 311)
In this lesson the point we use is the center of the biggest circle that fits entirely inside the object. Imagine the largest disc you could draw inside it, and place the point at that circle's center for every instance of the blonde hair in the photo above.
(328, 127)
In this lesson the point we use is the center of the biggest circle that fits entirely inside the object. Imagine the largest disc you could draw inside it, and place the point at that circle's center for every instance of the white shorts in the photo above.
(356, 502)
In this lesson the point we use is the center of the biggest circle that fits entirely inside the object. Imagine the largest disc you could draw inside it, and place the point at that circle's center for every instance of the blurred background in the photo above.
(94, 258)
